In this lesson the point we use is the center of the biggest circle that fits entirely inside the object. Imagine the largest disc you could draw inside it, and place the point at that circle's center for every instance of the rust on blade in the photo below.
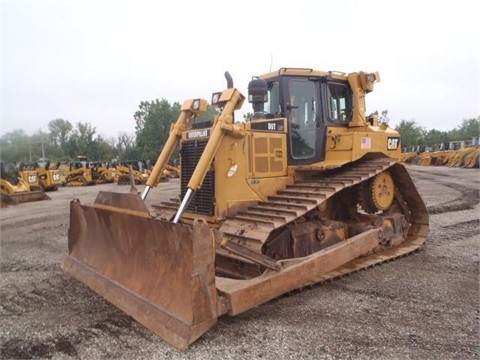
(160, 273)
(128, 203)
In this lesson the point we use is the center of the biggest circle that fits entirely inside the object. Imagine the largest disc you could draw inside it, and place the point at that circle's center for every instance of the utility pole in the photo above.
(30, 148)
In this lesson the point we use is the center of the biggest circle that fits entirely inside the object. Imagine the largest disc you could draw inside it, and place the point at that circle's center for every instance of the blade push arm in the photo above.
(189, 109)
(231, 100)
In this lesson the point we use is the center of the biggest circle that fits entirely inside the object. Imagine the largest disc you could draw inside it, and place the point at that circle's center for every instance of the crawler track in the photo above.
(251, 228)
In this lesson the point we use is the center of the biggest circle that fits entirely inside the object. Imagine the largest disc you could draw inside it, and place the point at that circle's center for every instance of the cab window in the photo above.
(339, 102)
(303, 108)
(272, 106)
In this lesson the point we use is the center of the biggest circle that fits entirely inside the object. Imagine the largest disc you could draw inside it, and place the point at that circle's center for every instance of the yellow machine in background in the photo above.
(83, 172)
(468, 157)
(308, 189)
(79, 174)
(122, 173)
(28, 173)
(48, 175)
(171, 172)
(19, 186)
(102, 172)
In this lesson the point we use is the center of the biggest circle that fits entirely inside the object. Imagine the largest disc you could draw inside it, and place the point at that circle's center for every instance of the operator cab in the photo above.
(310, 100)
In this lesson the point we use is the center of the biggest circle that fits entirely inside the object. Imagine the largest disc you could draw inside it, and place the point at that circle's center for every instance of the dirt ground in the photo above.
(422, 306)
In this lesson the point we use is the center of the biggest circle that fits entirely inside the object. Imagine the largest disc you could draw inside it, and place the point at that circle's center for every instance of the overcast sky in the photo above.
(95, 61)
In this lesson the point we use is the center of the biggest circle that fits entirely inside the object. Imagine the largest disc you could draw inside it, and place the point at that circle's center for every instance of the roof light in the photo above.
(216, 98)
(371, 77)
(196, 104)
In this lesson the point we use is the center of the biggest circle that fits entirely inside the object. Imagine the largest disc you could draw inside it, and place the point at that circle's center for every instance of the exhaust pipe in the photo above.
(229, 80)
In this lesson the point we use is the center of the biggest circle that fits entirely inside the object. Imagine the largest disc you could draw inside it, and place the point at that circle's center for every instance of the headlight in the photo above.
(371, 78)
(216, 98)
(196, 104)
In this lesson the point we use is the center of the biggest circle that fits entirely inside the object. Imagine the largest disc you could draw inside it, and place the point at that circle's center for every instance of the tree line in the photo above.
(412, 134)
(64, 140)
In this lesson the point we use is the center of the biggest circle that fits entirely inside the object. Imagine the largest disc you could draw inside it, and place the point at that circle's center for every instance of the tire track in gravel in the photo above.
(51, 292)
(58, 294)
(38, 223)
(470, 195)
(116, 325)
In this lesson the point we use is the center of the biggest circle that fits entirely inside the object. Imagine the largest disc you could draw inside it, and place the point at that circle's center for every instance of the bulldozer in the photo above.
(308, 188)
(122, 172)
(18, 187)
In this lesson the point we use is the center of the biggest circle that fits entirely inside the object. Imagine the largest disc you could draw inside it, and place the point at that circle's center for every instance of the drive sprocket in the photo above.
(378, 193)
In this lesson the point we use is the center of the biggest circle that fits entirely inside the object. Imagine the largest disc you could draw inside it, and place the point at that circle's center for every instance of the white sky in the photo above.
(95, 61)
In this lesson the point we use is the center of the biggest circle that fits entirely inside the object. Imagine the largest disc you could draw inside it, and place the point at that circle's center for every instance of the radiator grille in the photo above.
(203, 200)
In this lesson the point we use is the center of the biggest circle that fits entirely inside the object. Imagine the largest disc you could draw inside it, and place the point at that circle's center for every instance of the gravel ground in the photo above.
(423, 306)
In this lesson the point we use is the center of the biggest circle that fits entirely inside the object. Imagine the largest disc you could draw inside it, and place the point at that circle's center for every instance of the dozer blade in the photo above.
(160, 273)
(23, 197)
(6, 200)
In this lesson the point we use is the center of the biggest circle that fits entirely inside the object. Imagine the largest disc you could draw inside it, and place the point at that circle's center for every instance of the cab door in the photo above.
(306, 130)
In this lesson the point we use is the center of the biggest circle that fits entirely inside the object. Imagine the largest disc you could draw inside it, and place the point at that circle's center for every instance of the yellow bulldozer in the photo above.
(309, 188)
(19, 186)
(123, 174)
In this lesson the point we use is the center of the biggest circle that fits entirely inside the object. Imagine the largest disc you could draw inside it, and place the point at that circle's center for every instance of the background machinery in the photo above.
(48, 175)
(79, 174)
(19, 186)
(468, 157)
(139, 172)
(307, 189)
(103, 172)
(82, 172)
